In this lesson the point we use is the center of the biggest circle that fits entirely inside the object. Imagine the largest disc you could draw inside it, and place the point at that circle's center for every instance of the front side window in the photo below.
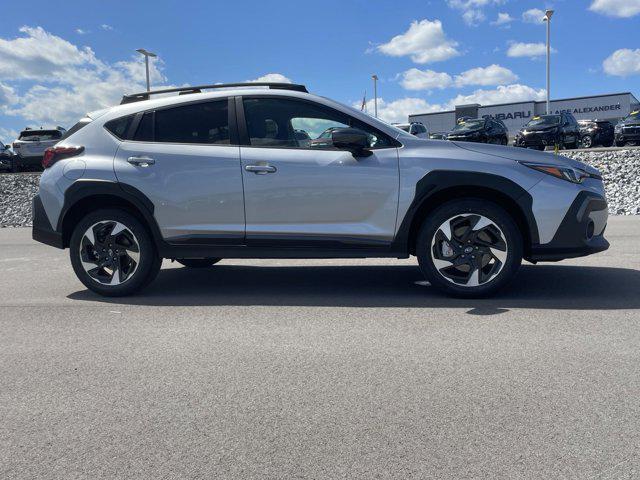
(205, 123)
(277, 123)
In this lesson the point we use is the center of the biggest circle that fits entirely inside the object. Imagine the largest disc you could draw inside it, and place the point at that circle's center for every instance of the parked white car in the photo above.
(30, 145)
(416, 129)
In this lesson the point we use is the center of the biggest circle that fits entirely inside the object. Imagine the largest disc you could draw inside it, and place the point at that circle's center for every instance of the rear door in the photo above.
(184, 159)
(308, 193)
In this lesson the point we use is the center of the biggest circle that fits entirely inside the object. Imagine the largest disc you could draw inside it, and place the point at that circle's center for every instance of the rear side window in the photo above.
(144, 132)
(82, 123)
(206, 123)
(119, 126)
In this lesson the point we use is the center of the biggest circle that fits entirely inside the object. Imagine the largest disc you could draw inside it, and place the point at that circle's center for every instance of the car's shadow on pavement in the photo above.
(540, 287)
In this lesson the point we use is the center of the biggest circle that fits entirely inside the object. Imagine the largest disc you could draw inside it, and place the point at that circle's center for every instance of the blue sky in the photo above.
(58, 61)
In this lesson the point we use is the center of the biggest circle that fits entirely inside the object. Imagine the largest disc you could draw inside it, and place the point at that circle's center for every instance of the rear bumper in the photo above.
(581, 232)
(42, 231)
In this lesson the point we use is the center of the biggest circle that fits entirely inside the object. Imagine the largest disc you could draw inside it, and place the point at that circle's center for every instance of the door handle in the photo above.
(260, 169)
(141, 161)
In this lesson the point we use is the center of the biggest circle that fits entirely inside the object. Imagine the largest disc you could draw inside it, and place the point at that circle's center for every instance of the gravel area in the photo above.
(620, 168)
(621, 172)
(16, 192)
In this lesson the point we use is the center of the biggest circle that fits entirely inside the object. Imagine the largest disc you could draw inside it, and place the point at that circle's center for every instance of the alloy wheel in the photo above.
(109, 252)
(469, 250)
(587, 141)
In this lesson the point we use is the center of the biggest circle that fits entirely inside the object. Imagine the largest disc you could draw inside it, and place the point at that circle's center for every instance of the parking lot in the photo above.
(309, 369)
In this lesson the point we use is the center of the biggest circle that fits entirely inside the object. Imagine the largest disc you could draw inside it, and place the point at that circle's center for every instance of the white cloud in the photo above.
(7, 135)
(491, 75)
(502, 94)
(472, 13)
(424, 42)
(57, 82)
(414, 79)
(7, 95)
(533, 15)
(623, 62)
(398, 111)
(616, 8)
(503, 19)
(473, 17)
(106, 27)
(42, 56)
(518, 49)
(80, 31)
(272, 77)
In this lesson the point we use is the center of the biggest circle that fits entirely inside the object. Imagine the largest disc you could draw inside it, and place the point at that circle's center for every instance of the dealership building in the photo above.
(514, 115)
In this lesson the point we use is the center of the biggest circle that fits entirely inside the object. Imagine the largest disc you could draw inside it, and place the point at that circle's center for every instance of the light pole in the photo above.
(146, 54)
(375, 95)
(547, 18)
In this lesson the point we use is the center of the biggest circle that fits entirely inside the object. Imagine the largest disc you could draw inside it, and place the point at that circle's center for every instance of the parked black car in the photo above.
(628, 130)
(6, 158)
(480, 130)
(595, 132)
(543, 131)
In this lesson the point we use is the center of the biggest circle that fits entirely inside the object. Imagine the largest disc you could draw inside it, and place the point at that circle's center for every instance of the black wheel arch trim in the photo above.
(82, 189)
(433, 185)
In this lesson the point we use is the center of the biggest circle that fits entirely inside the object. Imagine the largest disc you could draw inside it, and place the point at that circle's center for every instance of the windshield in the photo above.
(633, 117)
(546, 120)
(469, 125)
(40, 135)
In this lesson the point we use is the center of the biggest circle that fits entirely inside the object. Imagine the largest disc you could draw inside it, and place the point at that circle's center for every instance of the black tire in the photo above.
(474, 206)
(587, 141)
(505, 141)
(608, 144)
(148, 265)
(620, 143)
(14, 166)
(198, 262)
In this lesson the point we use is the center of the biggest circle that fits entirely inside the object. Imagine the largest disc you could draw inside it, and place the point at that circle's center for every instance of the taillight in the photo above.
(53, 154)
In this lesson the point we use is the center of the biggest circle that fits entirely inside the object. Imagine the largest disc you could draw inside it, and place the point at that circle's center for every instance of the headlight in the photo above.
(617, 128)
(570, 174)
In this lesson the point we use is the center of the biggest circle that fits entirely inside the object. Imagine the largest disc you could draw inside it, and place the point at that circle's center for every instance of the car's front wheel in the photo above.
(469, 248)
(587, 141)
(113, 254)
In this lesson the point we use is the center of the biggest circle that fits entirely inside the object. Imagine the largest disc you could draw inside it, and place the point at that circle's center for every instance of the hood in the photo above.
(540, 128)
(461, 133)
(525, 155)
(630, 123)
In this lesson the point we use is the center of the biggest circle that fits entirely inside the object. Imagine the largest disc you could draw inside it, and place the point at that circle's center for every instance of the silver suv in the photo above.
(198, 177)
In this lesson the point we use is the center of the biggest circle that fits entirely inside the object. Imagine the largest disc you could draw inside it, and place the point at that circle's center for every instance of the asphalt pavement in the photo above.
(320, 369)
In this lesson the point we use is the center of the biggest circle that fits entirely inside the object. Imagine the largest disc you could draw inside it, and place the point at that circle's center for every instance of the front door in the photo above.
(300, 191)
(182, 159)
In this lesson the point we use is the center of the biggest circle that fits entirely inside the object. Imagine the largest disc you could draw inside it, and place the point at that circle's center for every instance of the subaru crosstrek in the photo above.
(202, 176)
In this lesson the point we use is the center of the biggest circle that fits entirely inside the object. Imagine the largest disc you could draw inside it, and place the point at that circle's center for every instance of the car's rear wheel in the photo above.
(113, 254)
(620, 143)
(198, 262)
(469, 248)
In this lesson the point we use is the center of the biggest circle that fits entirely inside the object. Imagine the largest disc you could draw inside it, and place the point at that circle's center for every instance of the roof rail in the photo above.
(137, 97)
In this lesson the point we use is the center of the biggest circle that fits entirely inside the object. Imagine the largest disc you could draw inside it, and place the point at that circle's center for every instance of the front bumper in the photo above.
(537, 140)
(628, 137)
(581, 232)
(42, 231)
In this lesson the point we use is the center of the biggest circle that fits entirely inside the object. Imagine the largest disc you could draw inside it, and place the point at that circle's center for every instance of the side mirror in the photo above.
(353, 140)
